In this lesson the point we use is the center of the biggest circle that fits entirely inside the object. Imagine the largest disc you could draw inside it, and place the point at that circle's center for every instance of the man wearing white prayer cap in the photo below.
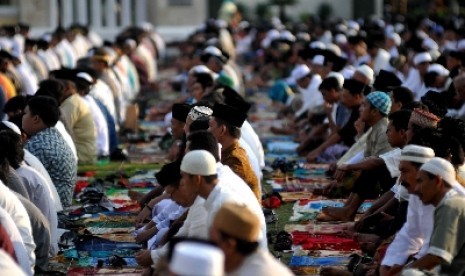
(413, 233)
(415, 79)
(236, 230)
(413, 239)
(435, 185)
(200, 179)
(196, 259)
(364, 74)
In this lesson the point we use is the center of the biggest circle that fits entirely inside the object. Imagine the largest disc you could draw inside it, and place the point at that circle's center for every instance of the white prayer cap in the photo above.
(303, 36)
(199, 162)
(12, 126)
(353, 25)
(442, 168)
(243, 25)
(317, 45)
(338, 76)
(461, 45)
(318, 60)
(341, 28)
(422, 57)
(212, 50)
(270, 36)
(366, 71)
(85, 76)
(399, 27)
(417, 154)
(194, 258)
(430, 44)
(199, 69)
(334, 48)
(287, 35)
(297, 73)
(438, 68)
(395, 37)
(340, 39)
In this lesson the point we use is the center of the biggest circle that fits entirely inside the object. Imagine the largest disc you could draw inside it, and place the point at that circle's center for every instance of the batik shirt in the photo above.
(51, 149)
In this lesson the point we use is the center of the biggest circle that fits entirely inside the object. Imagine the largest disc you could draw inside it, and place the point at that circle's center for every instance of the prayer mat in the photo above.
(310, 270)
(308, 210)
(282, 147)
(319, 261)
(325, 228)
(294, 196)
(104, 271)
(113, 230)
(323, 242)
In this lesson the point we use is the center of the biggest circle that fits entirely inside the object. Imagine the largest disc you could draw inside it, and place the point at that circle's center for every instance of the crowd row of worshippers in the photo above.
(64, 97)
(367, 118)
(93, 81)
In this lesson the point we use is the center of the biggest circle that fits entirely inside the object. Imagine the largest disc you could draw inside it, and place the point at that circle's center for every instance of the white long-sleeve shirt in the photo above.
(222, 194)
(18, 244)
(311, 96)
(41, 195)
(251, 137)
(101, 127)
(195, 226)
(414, 236)
(18, 213)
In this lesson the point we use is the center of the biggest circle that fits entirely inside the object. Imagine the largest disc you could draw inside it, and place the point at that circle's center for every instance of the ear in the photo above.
(229, 246)
(223, 130)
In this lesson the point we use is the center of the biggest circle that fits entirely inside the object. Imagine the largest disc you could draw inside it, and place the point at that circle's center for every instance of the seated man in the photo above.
(235, 230)
(373, 112)
(351, 98)
(168, 211)
(225, 126)
(46, 143)
(435, 182)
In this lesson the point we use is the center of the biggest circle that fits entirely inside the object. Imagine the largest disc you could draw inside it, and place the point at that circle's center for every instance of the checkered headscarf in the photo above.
(380, 101)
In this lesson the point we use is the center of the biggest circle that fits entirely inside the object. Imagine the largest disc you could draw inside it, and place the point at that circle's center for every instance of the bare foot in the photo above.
(135, 195)
(338, 214)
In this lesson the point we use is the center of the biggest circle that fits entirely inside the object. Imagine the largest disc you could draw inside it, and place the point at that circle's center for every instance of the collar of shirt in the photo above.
(212, 197)
(448, 195)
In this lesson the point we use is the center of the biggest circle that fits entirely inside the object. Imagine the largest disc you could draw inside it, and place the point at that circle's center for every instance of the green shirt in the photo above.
(448, 237)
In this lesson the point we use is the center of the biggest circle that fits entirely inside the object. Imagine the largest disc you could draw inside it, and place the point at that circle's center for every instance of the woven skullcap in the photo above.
(424, 119)
(380, 101)
(199, 162)
(417, 154)
(200, 112)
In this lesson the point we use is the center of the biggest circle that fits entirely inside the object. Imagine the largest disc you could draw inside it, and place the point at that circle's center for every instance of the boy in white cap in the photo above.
(236, 230)
(435, 185)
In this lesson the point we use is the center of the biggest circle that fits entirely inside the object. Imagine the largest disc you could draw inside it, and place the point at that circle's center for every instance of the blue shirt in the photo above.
(51, 149)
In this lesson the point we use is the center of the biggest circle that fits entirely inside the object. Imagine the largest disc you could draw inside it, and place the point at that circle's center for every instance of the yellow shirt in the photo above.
(236, 158)
(78, 121)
